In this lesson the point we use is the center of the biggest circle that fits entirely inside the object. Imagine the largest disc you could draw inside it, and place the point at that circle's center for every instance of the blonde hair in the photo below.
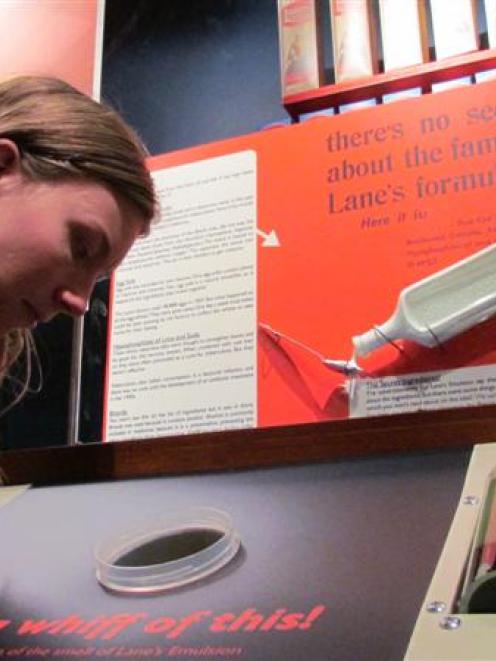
(12, 345)
(64, 134)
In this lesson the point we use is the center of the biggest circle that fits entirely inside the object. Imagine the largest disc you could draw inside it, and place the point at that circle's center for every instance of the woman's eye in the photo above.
(80, 252)
(80, 248)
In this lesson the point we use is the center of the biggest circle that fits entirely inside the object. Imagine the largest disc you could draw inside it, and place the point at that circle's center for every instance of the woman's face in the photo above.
(56, 240)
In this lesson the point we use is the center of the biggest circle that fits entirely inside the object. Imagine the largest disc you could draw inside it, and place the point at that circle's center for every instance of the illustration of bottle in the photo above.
(440, 306)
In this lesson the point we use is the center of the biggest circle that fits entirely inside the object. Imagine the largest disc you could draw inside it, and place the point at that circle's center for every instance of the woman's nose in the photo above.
(72, 302)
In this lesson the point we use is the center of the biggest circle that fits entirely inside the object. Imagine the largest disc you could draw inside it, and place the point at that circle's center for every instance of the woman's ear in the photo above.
(10, 156)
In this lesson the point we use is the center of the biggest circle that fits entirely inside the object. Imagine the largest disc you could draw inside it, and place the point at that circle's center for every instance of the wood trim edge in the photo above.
(252, 448)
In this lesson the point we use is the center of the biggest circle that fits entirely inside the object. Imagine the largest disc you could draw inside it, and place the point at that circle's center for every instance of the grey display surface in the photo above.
(358, 539)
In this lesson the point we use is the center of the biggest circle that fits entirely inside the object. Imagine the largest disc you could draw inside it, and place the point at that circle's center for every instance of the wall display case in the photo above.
(298, 405)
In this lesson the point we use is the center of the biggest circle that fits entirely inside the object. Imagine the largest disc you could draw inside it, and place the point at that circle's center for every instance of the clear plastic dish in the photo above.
(168, 552)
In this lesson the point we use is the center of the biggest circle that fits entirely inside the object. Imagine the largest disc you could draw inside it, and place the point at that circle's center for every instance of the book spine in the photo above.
(490, 8)
(404, 33)
(353, 38)
(299, 44)
(454, 27)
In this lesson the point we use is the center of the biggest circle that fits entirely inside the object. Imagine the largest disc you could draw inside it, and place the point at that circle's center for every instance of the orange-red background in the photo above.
(330, 279)
(50, 37)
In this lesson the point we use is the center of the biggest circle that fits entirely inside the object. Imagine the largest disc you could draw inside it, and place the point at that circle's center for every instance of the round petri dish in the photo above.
(168, 552)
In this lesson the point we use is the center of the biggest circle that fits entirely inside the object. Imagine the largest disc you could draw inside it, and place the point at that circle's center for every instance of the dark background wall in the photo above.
(186, 73)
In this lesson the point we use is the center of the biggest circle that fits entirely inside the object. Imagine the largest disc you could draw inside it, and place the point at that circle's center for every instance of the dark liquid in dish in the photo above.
(169, 547)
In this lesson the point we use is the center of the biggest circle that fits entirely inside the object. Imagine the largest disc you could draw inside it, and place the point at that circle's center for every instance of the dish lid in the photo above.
(181, 547)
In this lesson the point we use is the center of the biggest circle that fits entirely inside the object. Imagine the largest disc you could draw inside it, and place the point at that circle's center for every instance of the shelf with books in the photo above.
(370, 87)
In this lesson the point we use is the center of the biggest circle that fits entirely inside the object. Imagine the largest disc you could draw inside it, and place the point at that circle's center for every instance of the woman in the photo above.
(74, 195)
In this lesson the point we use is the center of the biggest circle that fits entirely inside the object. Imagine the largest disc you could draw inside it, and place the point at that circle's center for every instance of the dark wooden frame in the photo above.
(252, 448)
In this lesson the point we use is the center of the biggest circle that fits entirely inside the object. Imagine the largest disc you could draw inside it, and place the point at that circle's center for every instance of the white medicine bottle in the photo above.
(440, 306)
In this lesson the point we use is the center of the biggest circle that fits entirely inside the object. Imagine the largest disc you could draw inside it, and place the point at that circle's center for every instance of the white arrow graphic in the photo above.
(270, 240)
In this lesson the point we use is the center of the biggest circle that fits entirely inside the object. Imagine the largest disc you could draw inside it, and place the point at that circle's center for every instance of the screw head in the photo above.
(470, 500)
(436, 607)
(450, 623)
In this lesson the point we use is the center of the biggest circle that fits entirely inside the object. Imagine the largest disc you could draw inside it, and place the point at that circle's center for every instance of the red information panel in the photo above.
(365, 205)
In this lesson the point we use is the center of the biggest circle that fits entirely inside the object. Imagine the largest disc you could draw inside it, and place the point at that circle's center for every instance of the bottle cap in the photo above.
(367, 342)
